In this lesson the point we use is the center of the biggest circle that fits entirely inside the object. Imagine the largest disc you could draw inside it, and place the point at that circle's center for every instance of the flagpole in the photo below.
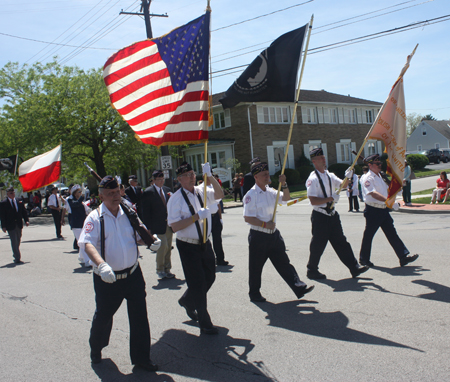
(402, 73)
(293, 114)
(205, 178)
(17, 159)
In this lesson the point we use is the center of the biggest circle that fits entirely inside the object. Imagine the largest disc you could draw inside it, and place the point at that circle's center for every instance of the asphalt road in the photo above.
(391, 324)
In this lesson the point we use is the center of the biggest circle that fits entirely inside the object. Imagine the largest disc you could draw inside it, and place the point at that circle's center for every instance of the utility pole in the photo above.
(145, 8)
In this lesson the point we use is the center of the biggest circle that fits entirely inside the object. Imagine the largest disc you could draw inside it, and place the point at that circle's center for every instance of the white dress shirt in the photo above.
(314, 189)
(371, 182)
(120, 242)
(177, 209)
(260, 203)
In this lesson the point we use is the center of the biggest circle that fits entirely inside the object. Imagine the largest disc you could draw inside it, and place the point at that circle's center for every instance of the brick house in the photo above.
(335, 122)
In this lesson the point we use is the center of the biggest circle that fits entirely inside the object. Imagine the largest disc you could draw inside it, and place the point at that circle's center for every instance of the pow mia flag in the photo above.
(272, 76)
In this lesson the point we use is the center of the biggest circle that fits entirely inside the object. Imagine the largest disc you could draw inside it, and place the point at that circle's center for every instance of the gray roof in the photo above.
(318, 96)
(440, 126)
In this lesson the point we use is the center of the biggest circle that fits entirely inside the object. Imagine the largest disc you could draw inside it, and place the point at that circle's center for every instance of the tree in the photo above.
(48, 104)
(429, 117)
(412, 121)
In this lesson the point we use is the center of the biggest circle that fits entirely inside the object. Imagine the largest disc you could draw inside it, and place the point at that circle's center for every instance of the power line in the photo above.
(65, 31)
(52, 43)
(355, 40)
(261, 16)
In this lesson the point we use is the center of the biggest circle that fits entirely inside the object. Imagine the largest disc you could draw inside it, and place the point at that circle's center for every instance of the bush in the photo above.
(274, 181)
(302, 160)
(339, 169)
(304, 172)
(417, 161)
(292, 176)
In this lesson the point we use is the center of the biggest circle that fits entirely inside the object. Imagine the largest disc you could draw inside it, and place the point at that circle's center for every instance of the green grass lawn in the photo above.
(428, 172)
(427, 199)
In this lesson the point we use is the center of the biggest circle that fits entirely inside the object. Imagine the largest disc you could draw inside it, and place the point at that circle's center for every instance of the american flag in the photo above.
(160, 86)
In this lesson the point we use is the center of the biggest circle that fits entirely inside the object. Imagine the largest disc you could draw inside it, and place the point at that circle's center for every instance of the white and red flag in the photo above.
(390, 127)
(160, 85)
(40, 171)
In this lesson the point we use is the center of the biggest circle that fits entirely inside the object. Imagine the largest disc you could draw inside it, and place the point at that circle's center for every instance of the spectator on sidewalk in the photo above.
(442, 185)
(407, 185)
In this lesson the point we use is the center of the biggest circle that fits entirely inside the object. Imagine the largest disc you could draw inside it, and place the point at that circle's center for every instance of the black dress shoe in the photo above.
(257, 298)
(315, 275)
(211, 331)
(367, 264)
(223, 263)
(305, 289)
(190, 312)
(147, 365)
(359, 269)
(408, 259)
(96, 357)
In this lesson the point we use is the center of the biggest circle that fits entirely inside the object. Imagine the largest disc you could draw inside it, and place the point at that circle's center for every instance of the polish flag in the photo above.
(40, 171)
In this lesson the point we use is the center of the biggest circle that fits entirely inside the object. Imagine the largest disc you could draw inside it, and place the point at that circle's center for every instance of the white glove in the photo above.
(106, 273)
(206, 169)
(335, 197)
(395, 206)
(203, 213)
(156, 244)
(349, 173)
(221, 222)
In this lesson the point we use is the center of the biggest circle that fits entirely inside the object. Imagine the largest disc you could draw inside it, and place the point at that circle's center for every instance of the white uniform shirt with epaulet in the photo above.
(178, 209)
(355, 190)
(54, 200)
(371, 182)
(120, 241)
(313, 187)
(215, 206)
(260, 203)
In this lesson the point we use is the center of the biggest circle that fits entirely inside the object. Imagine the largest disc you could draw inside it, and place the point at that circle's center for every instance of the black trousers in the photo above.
(263, 246)
(237, 191)
(108, 298)
(57, 220)
(380, 218)
(200, 272)
(216, 232)
(15, 235)
(329, 229)
(353, 202)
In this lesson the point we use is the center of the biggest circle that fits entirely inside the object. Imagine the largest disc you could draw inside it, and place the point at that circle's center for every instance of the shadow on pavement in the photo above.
(13, 265)
(441, 292)
(308, 320)
(410, 270)
(107, 370)
(173, 283)
(219, 358)
(356, 285)
(224, 268)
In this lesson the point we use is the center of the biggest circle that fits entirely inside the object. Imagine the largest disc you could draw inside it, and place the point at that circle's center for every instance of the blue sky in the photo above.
(366, 70)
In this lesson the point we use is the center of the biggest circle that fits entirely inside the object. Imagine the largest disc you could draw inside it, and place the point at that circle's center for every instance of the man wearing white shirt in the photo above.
(186, 214)
(265, 241)
(375, 192)
(326, 224)
(54, 203)
(111, 244)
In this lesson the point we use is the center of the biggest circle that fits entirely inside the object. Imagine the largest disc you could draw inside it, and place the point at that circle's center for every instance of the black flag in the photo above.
(8, 164)
(272, 76)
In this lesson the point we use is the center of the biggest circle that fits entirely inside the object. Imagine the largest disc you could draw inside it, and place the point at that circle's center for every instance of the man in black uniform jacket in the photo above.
(153, 206)
(249, 180)
(134, 192)
(12, 212)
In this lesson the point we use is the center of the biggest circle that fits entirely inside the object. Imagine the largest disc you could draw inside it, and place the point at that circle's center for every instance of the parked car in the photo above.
(445, 155)
(433, 155)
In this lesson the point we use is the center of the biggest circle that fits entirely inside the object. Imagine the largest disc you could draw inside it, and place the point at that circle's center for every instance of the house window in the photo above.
(424, 131)
(310, 115)
(222, 119)
(196, 162)
(371, 148)
(274, 114)
(419, 147)
(369, 116)
(330, 115)
(350, 116)
(218, 159)
(437, 146)
(345, 151)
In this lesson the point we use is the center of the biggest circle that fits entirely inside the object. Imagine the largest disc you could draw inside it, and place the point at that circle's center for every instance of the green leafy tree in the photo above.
(429, 117)
(412, 121)
(44, 105)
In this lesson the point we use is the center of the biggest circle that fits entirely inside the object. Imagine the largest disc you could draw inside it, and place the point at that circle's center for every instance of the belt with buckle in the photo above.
(376, 205)
(191, 241)
(120, 275)
(261, 229)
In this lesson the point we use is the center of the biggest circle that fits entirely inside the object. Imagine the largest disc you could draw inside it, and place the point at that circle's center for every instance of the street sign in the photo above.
(166, 162)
